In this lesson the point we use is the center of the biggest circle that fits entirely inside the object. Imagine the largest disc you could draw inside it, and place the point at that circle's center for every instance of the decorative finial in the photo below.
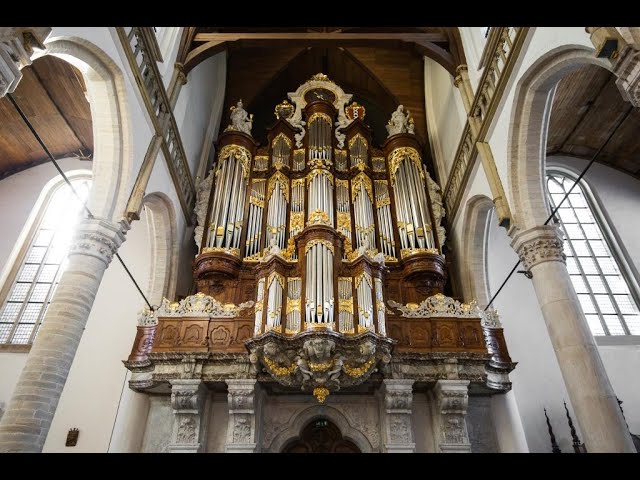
(554, 445)
(284, 110)
(321, 77)
(355, 110)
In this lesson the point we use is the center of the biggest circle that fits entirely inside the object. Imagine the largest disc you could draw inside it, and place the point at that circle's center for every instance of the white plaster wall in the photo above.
(16, 218)
(196, 103)
(445, 116)
(94, 391)
(473, 43)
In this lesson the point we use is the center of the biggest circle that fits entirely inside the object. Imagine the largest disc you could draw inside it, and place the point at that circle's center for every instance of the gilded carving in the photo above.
(401, 154)
(240, 153)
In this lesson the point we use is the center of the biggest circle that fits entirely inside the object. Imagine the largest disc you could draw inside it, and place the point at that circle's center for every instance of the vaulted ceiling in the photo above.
(588, 108)
(52, 96)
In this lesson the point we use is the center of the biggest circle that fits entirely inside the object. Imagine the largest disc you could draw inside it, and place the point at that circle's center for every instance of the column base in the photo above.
(400, 448)
(176, 448)
(455, 448)
(240, 448)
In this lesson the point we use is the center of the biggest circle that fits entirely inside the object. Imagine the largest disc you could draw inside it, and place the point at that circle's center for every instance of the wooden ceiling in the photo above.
(587, 108)
(52, 96)
(382, 67)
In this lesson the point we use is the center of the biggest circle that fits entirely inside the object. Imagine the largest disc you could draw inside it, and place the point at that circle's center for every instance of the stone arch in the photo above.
(315, 412)
(475, 284)
(113, 148)
(163, 239)
(528, 132)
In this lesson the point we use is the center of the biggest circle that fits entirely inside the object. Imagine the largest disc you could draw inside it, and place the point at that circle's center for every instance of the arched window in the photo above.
(42, 263)
(597, 275)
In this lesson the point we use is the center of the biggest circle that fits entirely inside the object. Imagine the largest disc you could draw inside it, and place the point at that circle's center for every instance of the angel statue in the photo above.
(240, 119)
(400, 122)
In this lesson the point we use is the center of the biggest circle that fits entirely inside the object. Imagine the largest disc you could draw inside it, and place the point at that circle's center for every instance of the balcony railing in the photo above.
(505, 48)
(142, 52)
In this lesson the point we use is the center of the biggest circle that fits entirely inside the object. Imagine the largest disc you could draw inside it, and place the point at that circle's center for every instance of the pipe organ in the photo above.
(318, 227)
(319, 258)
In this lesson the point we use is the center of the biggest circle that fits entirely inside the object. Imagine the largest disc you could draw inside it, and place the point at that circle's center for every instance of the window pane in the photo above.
(577, 200)
(596, 284)
(613, 324)
(625, 304)
(617, 284)
(40, 291)
(572, 266)
(19, 293)
(5, 328)
(573, 231)
(584, 215)
(555, 188)
(595, 325)
(633, 323)
(31, 313)
(579, 284)
(580, 246)
(43, 238)
(587, 304)
(36, 254)
(607, 265)
(588, 265)
(557, 198)
(22, 333)
(28, 273)
(591, 231)
(599, 248)
(10, 312)
(567, 215)
(605, 304)
(48, 273)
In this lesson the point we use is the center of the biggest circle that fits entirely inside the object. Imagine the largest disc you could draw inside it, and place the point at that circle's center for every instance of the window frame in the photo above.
(24, 241)
(611, 238)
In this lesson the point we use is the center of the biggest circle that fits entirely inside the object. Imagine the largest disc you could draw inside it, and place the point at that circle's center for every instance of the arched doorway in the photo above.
(321, 436)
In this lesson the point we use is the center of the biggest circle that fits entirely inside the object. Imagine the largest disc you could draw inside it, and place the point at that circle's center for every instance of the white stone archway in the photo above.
(112, 139)
(163, 240)
(315, 412)
(528, 131)
(474, 276)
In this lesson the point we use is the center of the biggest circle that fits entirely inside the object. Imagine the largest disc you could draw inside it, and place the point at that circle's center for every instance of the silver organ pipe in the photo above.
(277, 212)
(345, 305)
(363, 212)
(228, 207)
(358, 151)
(274, 300)
(383, 207)
(319, 292)
(281, 151)
(320, 137)
(380, 308)
(259, 307)
(320, 208)
(365, 301)
(414, 223)
(298, 160)
(341, 160)
(256, 208)
(344, 217)
(294, 292)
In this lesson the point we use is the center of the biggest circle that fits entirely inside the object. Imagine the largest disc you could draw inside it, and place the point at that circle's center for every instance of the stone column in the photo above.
(242, 432)
(25, 425)
(450, 427)
(188, 399)
(397, 435)
(593, 399)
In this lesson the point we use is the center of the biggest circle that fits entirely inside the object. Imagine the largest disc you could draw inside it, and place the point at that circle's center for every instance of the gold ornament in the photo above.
(321, 394)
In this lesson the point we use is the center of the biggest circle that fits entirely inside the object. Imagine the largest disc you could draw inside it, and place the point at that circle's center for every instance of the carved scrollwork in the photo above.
(201, 305)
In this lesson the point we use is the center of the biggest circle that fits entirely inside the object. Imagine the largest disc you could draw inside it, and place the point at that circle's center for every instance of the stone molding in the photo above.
(99, 238)
(451, 404)
(398, 428)
(241, 432)
(187, 400)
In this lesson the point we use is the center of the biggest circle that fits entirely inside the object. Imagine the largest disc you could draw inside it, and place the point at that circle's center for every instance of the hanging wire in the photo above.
(66, 179)
(555, 210)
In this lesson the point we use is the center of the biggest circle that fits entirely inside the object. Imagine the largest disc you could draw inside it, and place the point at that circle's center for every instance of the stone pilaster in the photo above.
(397, 434)
(242, 432)
(188, 399)
(591, 394)
(16, 49)
(25, 425)
(451, 400)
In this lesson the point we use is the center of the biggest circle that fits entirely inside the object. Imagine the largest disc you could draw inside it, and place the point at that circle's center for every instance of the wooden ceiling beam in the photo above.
(405, 37)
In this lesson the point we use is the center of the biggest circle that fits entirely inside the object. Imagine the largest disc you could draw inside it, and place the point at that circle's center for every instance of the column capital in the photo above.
(98, 238)
(16, 49)
(539, 244)
(452, 399)
(241, 430)
(452, 396)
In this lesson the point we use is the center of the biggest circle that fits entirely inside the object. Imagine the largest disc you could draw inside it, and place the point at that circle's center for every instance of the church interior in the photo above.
(319, 239)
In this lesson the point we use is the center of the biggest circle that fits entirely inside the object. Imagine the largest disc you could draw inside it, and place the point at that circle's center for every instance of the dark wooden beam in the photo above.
(405, 37)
